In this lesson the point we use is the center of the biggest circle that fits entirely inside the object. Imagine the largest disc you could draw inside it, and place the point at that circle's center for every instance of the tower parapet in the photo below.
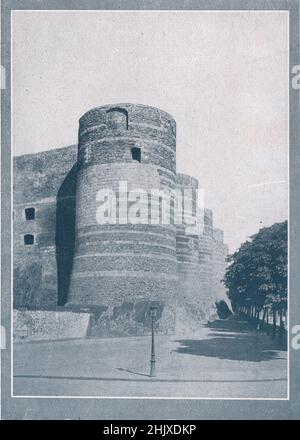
(121, 133)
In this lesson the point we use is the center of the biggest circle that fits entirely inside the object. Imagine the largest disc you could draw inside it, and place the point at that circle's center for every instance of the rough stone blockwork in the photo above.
(36, 325)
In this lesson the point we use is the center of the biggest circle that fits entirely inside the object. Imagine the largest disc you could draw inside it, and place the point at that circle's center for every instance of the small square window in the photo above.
(28, 239)
(29, 213)
(136, 154)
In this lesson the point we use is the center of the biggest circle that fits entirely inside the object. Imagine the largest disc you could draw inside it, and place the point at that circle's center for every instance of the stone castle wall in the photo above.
(37, 325)
(45, 182)
(187, 243)
(219, 263)
(206, 256)
(115, 270)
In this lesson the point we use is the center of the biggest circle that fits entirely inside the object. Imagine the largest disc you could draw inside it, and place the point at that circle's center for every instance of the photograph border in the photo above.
(292, 7)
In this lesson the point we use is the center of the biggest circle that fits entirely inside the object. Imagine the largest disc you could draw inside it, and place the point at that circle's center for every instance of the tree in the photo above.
(257, 275)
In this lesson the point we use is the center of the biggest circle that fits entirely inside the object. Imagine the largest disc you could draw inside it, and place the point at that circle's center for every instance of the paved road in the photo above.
(223, 360)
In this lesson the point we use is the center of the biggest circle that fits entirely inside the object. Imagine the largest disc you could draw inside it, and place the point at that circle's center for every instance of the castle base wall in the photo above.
(128, 319)
(38, 325)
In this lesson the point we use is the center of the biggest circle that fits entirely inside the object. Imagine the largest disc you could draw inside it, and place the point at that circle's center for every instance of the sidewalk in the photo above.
(223, 360)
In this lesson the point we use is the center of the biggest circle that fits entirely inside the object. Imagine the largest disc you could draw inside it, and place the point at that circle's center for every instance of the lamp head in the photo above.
(153, 311)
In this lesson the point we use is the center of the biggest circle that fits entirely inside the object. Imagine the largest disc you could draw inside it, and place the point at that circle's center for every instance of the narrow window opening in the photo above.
(28, 239)
(136, 154)
(30, 213)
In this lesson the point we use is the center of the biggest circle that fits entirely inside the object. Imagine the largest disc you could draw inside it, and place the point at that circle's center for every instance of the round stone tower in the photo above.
(205, 255)
(187, 241)
(123, 148)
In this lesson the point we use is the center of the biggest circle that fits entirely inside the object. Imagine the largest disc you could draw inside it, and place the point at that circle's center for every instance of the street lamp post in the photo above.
(152, 360)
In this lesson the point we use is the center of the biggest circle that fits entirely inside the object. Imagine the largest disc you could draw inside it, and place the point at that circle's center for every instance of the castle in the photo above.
(64, 259)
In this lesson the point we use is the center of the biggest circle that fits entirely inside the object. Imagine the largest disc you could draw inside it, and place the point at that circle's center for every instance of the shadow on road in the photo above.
(133, 372)
(233, 324)
(233, 339)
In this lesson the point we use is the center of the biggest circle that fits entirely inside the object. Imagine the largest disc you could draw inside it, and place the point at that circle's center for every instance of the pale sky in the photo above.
(222, 75)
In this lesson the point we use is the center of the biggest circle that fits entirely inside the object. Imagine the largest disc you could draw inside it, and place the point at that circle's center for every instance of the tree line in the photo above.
(256, 278)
